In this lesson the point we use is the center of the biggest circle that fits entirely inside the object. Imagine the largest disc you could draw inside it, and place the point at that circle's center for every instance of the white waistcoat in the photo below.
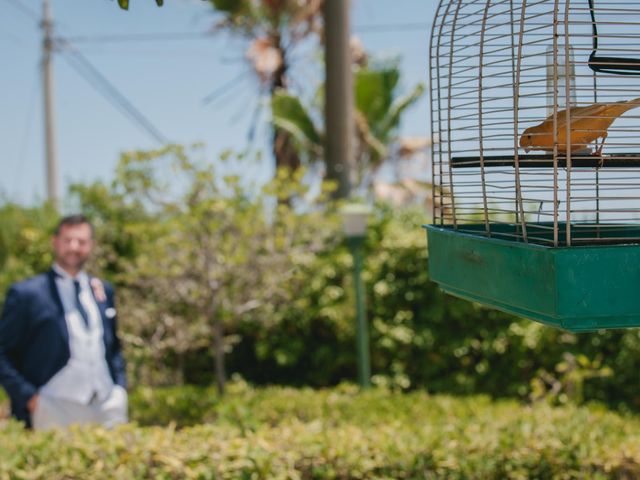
(86, 373)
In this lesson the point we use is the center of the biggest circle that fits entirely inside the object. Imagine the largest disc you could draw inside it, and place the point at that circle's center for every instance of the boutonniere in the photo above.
(98, 290)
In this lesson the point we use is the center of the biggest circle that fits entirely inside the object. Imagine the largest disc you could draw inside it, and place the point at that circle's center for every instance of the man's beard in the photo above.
(75, 262)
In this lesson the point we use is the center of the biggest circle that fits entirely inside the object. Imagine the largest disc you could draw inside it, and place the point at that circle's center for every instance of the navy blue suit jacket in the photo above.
(34, 340)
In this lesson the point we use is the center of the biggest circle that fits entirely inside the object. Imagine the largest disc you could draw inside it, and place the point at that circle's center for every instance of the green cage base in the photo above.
(579, 289)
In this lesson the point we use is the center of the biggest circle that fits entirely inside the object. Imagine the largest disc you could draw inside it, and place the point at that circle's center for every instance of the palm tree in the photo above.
(379, 109)
(274, 29)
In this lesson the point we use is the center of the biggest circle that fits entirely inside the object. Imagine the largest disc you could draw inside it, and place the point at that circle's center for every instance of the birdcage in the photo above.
(536, 158)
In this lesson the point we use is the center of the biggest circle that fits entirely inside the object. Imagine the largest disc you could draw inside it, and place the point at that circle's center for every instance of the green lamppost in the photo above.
(354, 218)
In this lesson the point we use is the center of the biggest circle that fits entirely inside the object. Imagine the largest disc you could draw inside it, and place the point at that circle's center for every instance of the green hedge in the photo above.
(335, 433)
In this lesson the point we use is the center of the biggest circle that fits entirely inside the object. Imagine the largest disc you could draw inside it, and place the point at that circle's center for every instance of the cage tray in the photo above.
(619, 160)
(578, 289)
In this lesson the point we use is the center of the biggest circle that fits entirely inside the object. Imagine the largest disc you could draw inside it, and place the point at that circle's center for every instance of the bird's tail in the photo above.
(619, 108)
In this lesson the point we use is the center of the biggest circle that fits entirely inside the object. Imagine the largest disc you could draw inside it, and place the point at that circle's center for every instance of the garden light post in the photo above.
(355, 226)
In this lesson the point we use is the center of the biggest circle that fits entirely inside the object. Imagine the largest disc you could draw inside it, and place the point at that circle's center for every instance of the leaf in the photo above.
(124, 4)
(227, 6)
(377, 146)
(374, 92)
(399, 106)
(290, 115)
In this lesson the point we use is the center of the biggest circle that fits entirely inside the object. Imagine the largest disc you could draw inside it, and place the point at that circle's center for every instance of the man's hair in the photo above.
(71, 221)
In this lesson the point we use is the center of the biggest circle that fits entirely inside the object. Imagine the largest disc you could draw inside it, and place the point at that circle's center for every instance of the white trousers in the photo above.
(54, 412)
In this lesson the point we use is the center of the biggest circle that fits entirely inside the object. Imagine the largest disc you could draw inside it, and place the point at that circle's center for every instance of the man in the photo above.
(60, 358)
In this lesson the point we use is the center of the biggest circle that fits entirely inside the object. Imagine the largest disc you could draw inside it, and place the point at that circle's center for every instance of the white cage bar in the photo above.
(500, 67)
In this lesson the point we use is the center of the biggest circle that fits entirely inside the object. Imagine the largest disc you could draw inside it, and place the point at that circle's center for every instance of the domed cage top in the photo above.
(535, 111)
(499, 68)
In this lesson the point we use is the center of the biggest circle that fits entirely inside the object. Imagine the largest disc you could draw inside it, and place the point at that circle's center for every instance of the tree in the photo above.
(274, 28)
(25, 243)
(379, 110)
(124, 4)
(214, 252)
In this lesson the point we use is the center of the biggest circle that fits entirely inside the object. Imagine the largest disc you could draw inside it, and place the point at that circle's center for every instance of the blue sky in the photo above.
(166, 80)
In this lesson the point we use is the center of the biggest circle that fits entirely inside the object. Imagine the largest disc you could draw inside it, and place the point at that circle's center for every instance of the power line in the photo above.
(25, 10)
(95, 78)
(172, 36)
(99, 82)
(224, 88)
(157, 52)
(393, 27)
(139, 37)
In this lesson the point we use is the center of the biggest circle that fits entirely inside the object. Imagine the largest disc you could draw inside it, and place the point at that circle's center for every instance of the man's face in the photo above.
(72, 247)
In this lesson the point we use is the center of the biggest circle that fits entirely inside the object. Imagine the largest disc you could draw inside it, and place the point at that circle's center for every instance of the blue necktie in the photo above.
(81, 310)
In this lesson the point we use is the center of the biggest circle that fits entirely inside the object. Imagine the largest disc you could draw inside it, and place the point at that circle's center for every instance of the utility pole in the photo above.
(338, 96)
(47, 84)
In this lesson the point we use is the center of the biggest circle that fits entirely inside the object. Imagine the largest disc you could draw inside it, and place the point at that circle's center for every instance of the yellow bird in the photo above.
(587, 125)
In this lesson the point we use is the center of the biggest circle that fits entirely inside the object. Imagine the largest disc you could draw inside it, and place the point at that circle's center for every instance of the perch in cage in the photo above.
(536, 174)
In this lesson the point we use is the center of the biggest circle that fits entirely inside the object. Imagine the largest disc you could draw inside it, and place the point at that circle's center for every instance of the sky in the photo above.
(166, 79)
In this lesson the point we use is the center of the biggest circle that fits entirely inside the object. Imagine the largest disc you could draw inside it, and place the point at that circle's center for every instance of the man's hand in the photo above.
(32, 404)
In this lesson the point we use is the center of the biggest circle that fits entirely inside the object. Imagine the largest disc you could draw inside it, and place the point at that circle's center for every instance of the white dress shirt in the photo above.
(86, 375)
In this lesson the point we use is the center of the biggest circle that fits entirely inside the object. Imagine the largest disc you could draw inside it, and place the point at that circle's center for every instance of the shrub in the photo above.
(300, 331)
(338, 433)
